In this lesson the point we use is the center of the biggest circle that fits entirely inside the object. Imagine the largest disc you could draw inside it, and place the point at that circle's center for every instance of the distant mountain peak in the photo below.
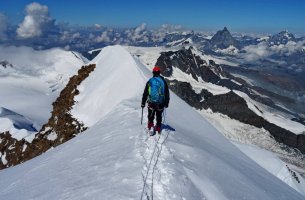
(282, 37)
(223, 39)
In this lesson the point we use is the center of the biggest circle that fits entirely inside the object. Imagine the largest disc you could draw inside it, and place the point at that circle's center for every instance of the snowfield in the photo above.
(34, 80)
(116, 159)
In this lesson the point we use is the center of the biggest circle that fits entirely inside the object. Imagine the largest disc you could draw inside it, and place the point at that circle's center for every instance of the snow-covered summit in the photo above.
(115, 159)
(116, 77)
(282, 38)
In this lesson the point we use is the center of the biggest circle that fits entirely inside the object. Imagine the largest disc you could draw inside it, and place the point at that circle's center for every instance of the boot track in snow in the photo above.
(151, 158)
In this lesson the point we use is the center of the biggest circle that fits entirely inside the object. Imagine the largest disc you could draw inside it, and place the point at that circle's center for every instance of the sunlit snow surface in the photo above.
(116, 159)
(34, 80)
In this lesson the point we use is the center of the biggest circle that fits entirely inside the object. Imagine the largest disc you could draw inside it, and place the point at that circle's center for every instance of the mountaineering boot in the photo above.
(150, 125)
(158, 129)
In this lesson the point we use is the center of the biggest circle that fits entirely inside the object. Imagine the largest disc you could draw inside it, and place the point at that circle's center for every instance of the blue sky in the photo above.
(239, 15)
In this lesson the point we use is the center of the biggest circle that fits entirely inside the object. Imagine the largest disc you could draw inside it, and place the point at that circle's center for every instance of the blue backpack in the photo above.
(156, 90)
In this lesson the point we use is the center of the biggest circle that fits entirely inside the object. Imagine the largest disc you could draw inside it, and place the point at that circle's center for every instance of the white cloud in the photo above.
(256, 52)
(76, 35)
(65, 36)
(289, 48)
(140, 29)
(97, 26)
(165, 29)
(138, 33)
(263, 50)
(103, 37)
(36, 22)
(170, 28)
(3, 27)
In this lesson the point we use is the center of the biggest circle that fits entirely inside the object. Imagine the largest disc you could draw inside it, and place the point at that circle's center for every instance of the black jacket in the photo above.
(166, 93)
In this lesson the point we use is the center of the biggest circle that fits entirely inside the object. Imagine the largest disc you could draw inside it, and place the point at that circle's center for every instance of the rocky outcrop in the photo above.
(235, 107)
(11, 150)
(184, 91)
(189, 63)
(60, 128)
(230, 103)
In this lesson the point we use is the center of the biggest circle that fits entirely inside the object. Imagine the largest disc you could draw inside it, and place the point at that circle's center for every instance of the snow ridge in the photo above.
(108, 161)
(116, 76)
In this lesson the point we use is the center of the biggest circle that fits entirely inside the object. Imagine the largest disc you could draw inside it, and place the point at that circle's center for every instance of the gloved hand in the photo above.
(142, 105)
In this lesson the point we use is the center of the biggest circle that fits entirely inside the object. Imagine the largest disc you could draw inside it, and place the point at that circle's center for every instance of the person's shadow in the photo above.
(168, 127)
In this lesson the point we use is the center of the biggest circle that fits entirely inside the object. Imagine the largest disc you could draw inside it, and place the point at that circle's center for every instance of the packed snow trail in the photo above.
(152, 158)
(147, 170)
(106, 161)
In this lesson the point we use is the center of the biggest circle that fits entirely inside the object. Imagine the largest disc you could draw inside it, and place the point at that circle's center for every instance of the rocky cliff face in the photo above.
(189, 63)
(230, 103)
(60, 128)
(223, 39)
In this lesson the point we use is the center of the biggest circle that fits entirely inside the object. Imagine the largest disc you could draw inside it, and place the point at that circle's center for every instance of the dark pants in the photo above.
(155, 109)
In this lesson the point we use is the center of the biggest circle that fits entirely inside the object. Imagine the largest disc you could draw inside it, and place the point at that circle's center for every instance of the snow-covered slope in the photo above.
(115, 159)
(16, 124)
(114, 81)
(33, 79)
(274, 165)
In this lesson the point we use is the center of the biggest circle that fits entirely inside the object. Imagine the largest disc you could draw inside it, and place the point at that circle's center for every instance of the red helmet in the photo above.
(156, 69)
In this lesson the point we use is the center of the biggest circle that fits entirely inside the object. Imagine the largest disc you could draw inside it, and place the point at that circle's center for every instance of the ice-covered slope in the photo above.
(115, 159)
(32, 79)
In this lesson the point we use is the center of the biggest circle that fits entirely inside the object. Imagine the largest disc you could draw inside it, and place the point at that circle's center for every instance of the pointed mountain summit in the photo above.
(223, 39)
(282, 38)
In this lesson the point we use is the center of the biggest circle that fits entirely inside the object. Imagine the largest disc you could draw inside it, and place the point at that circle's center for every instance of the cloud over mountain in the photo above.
(262, 50)
(103, 37)
(36, 22)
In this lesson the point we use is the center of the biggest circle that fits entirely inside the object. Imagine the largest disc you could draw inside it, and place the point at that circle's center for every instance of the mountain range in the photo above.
(234, 129)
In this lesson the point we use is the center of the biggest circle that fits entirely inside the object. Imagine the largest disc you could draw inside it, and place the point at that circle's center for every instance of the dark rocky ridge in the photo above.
(229, 104)
(189, 63)
(235, 107)
(286, 90)
(60, 128)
